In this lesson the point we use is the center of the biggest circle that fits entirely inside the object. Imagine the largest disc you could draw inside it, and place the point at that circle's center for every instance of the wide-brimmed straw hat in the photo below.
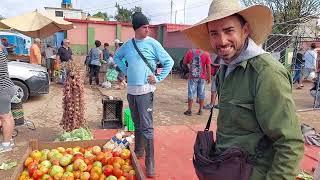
(259, 18)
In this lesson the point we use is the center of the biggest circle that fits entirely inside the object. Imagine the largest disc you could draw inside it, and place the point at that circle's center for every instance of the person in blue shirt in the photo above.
(105, 52)
(141, 83)
(95, 62)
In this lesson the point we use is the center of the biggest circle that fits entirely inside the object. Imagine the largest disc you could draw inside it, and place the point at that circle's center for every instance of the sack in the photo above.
(232, 164)
(195, 67)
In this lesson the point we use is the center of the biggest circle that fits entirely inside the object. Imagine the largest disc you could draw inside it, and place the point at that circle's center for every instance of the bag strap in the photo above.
(209, 121)
(141, 55)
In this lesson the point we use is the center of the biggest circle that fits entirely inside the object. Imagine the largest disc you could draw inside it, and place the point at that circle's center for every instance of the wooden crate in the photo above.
(36, 145)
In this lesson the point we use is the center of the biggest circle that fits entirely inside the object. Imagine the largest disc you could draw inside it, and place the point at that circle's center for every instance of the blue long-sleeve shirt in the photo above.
(137, 71)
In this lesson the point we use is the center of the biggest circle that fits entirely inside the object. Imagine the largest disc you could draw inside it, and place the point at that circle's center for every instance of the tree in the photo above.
(288, 14)
(124, 15)
(1, 17)
(288, 10)
(102, 15)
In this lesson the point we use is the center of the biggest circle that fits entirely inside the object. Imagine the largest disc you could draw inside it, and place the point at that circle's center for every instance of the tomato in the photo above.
(115, 154)
(37, 174)
(94, 176)
(117, 172)
(100, 156)
(108, 171)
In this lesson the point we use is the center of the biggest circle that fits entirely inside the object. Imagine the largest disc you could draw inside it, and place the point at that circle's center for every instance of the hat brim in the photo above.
(259, 18)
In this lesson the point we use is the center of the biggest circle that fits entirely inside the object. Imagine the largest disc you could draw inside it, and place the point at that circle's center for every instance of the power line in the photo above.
(110, 7)
(190, 7)
(95, 7)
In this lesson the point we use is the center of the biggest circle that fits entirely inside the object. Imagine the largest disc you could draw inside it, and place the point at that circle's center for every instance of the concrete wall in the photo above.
(78, 35)
(127, 33)
(104, 33)
(86, 32)
(67, 13)
(176, 39)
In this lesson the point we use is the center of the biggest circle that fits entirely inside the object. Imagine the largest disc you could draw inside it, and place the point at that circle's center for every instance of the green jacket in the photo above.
(255, 99)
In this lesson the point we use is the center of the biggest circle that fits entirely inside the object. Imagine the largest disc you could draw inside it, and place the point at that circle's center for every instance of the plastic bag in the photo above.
(311, 76)
(106, 84)
(112, 75)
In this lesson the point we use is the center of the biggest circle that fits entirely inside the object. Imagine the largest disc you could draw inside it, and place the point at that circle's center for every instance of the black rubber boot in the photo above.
(149, 161)
(139, 144)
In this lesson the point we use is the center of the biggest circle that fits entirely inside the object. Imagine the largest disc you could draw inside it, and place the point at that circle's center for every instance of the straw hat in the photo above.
(259, 18)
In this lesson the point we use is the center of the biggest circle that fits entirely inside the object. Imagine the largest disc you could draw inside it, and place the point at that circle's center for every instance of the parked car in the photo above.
(30, 79)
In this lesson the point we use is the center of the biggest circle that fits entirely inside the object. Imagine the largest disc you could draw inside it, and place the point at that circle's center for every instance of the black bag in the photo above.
(232, 164)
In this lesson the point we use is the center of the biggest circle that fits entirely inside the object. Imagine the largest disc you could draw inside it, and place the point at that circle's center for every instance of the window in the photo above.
(59, 13)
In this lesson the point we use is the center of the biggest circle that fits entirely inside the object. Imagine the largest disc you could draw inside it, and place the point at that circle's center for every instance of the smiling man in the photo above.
(257, 111)
(142, 53)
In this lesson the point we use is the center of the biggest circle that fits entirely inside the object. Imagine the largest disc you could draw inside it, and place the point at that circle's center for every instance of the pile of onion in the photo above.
(73, 99)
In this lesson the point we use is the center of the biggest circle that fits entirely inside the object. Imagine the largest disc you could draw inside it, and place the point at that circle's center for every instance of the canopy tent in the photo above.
(36, 25)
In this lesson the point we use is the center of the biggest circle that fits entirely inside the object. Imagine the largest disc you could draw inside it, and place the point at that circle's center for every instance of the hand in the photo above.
(209, 80)
(152, 79)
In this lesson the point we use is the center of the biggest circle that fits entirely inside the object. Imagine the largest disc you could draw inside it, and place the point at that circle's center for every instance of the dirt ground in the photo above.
(170, 103)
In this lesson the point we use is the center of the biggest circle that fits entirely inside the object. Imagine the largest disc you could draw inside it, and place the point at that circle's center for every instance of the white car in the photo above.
(30, 79)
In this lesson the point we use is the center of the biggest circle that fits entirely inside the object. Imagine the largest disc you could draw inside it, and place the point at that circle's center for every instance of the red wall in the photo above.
(127, 33)
(104, 32)
(153, 32)
(78, 35)
(175, 39)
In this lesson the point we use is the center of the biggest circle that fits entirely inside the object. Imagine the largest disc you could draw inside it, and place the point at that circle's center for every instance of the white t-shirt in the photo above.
(310, 58)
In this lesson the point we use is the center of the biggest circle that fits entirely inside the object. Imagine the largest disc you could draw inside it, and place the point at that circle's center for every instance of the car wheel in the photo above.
(22, 90)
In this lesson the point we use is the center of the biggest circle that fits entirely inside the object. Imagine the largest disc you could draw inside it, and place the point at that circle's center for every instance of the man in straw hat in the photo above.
(255, 92)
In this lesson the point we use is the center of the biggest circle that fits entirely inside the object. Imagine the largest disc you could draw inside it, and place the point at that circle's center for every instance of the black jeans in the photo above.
(94, 72)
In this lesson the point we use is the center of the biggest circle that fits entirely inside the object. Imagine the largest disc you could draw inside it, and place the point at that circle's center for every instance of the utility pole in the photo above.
(184, 11)
(171, 11)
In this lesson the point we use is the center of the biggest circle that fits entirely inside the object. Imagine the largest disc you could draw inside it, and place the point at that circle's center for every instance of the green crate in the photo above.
(128, 119)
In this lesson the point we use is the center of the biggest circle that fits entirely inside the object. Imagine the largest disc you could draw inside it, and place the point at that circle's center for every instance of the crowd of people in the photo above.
(307, 68)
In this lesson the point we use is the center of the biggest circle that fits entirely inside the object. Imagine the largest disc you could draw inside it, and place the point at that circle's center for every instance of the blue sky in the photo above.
(157, 10)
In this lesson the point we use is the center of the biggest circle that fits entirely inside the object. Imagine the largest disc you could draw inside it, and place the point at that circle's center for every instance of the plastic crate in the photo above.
(112, 114)
(128, 119)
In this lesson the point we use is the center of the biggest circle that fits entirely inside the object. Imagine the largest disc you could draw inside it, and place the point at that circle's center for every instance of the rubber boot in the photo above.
(139, 144)
(149, 161)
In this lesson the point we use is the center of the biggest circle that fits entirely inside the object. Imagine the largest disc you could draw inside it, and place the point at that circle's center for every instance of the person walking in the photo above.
(298, 68)
(7, 91)
(95, 57)
(50, 57)
(142, 54)
(256, 107)
(198, 62)
(310, 64)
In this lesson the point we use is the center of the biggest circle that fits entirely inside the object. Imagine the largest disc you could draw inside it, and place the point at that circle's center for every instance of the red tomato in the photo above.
(108, 171)
(117, 172)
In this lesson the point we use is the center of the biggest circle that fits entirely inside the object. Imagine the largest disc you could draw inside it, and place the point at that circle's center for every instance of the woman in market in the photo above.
(95, 56)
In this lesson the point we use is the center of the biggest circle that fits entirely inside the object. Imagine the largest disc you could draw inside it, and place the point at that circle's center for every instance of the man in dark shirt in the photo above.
(297, 68)
(64, 52)
(64, 55)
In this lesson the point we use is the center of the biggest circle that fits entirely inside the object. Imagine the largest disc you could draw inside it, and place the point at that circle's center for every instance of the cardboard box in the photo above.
(36, 145)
